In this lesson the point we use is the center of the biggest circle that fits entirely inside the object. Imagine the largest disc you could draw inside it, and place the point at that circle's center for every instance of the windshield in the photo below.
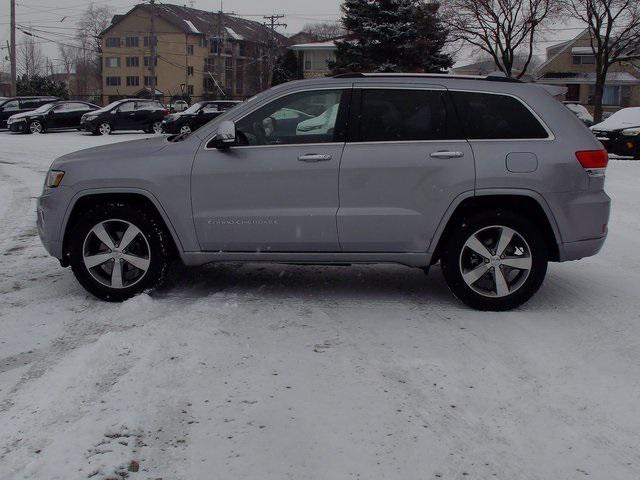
(108, 107)
(44, 108)
(193, 108)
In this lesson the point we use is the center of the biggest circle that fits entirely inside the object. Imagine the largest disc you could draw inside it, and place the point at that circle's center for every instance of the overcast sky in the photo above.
(61, 15)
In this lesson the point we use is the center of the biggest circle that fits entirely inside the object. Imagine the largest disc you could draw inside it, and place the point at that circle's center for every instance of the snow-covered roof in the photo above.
(192, 26)
(575, 78)
(329, 45)
(233, 34)
(582, 51)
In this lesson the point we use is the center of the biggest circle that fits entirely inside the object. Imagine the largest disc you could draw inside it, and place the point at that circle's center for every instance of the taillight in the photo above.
(593, 161)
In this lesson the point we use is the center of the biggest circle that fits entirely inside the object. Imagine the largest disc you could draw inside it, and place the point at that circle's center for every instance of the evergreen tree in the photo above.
(391, 36)
(285, 68)
(40, 85)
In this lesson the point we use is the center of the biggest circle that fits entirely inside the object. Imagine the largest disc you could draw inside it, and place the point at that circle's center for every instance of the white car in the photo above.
(581, 112)
(620, 133)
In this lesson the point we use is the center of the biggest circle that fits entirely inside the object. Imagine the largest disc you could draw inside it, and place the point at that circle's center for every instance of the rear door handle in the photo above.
(314, 157)
(446, 154)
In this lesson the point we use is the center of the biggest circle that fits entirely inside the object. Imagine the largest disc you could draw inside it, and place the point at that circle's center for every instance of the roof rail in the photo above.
(490, 78)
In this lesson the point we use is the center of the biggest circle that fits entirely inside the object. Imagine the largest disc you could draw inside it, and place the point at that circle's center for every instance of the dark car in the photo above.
(620, 133)
(128, 114)
(196, 116)
(51, 116)
(13, 105)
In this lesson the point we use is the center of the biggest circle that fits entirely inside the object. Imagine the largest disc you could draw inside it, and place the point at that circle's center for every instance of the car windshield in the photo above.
(108, 107)
(194, 108)
(44, 108)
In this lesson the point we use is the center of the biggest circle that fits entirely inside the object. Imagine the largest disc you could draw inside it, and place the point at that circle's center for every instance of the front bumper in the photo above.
(88, 125)
(18, 127)
(170, 127)
(51, 211)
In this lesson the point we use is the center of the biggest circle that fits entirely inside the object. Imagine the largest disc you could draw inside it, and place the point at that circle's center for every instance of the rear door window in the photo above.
(10, 106)
(31, 103)
(397, 115)
(487, 116)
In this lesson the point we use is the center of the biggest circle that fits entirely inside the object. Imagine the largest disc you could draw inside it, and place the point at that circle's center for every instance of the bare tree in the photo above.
(502, 29)
(614, 26)
(324, 30)
(88, 59)
(31, 58)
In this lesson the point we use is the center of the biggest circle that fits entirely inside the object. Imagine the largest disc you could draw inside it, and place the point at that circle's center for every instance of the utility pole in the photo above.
(12, 48)
(272, 23)
(154, 49)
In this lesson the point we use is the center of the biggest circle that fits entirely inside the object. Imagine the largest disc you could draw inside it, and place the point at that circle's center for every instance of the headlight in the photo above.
(631, 132)
(54, 178)
(90, 117)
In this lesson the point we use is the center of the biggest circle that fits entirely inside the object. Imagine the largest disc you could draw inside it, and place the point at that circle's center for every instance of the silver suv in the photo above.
(490, 178)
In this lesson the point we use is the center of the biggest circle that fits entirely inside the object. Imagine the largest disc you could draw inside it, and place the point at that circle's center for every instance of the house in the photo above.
(314, 57)
(488, 67)
(200, 54)
(572, 65)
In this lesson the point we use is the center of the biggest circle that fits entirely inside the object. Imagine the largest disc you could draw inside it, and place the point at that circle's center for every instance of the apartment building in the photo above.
(572, 65)
(200, 54)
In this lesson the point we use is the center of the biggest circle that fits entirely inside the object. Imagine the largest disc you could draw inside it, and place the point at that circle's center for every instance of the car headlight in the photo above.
(631, 132)
(54, 178)
(90, 117)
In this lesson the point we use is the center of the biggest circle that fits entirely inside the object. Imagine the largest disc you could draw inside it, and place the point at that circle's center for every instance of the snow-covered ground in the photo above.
(305, 373)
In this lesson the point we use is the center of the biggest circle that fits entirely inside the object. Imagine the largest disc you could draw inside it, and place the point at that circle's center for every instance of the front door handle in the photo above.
(314, 157)
(446, 154)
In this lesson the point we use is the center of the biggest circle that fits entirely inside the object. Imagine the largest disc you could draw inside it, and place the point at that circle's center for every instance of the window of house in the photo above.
(133, 81)
(131, 41)
(113, 81)
(584, 59)
(147, 81)
(113, 62)
(215, 45)
(133, 61)
(190, 71)
(299, 118)
(190, 89)
(189, 49)
(404, 115)
(113, 42)
(147, 61)
(490, 117)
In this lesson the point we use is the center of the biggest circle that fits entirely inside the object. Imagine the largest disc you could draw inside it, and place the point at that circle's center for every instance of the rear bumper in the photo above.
(582, 249)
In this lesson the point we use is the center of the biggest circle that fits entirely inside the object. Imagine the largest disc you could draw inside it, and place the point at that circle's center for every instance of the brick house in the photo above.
(572, 65)
(200, 54)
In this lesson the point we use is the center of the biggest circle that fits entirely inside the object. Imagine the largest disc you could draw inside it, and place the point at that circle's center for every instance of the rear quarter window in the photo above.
(486, 116)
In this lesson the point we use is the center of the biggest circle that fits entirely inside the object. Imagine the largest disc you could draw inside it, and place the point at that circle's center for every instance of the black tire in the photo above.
(151, 228)
(98, 131)
(35, 122)
(453, 250)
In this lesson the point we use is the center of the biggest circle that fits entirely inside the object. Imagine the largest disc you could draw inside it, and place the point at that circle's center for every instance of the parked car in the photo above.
(128, 114)
(51, 116)
(398, 177)
(620, 133)
(178, 106)
(13, 105)
(196, 116)
(581, 112)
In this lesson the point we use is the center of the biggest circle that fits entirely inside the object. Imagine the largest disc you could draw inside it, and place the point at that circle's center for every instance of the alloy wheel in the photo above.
(495, 261)
(185, 129)
(104, 129)
(116, 253)
(157, 127)
(35, 127)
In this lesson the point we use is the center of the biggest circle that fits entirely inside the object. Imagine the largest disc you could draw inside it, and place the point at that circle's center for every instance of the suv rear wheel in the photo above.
(118, 251)
(496, 261)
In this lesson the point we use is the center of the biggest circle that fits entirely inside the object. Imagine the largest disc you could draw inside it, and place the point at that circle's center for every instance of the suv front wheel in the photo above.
(118, 251)
(495, 261)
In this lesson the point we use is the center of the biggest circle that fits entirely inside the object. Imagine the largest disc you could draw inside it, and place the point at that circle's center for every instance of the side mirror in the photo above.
(226, 135)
